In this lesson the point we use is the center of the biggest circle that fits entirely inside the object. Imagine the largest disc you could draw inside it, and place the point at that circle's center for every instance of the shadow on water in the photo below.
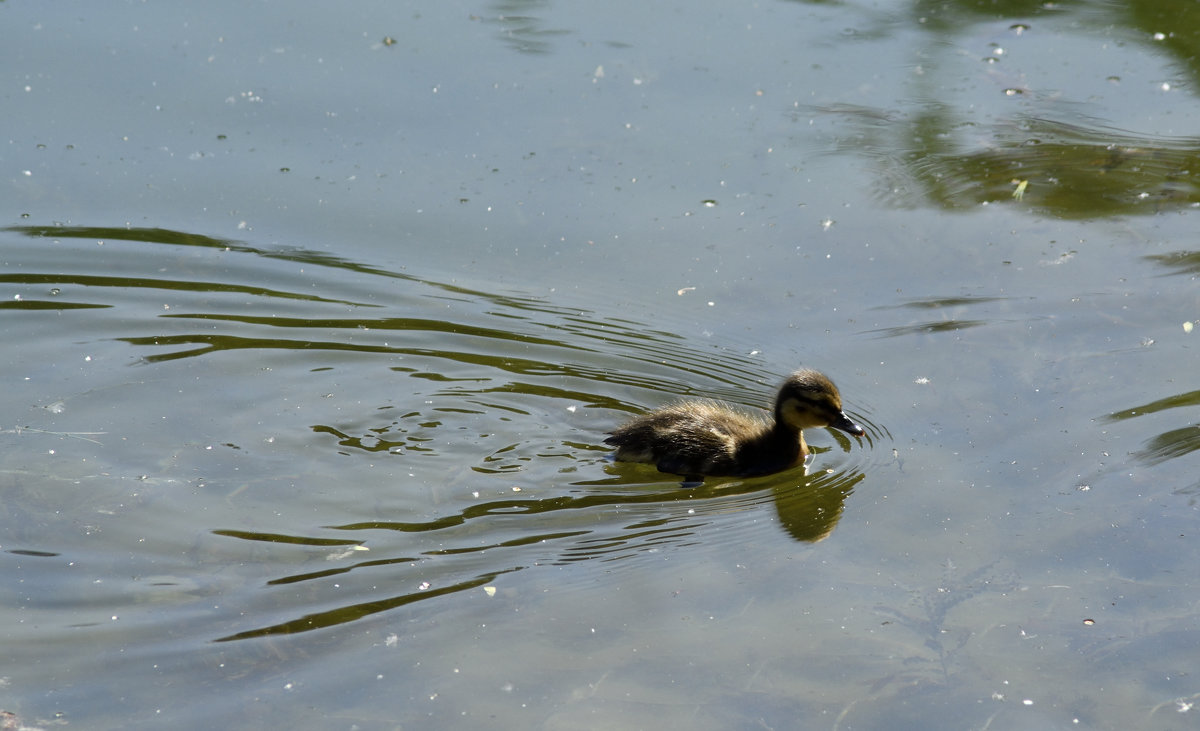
(929, 619)
(520, 26)
(1064, 169)
(1170, 444)
(1050, 157)
(492, 387)
(951, 309)
(1179, 262)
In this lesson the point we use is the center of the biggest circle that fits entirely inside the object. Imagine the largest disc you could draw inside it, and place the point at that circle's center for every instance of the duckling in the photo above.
(705, 437)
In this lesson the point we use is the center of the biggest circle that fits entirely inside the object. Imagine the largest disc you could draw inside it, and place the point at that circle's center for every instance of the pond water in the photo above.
(317, 318)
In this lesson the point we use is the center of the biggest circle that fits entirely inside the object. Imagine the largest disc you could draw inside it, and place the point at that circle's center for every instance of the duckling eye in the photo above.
(816, 402)
(805, 411)
(802, 408)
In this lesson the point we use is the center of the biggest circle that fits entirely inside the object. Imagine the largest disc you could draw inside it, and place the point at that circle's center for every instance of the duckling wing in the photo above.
(689, 438)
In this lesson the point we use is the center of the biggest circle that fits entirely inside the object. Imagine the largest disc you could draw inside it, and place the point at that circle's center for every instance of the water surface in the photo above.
(317, 319)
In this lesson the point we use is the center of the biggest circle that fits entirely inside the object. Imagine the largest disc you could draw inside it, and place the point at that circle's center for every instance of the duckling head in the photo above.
(809, 399)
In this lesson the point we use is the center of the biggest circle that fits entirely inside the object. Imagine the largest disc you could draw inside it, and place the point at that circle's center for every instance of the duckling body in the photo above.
(704, 437)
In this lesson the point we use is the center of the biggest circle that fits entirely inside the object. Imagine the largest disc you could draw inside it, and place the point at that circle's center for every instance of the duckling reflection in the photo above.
(704, 437)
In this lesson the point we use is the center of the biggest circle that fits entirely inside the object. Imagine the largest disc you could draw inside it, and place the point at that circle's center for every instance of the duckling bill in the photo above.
(705, 437)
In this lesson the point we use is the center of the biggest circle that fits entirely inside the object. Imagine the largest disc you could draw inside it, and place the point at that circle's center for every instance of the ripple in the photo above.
(622, 525)
(484, 409)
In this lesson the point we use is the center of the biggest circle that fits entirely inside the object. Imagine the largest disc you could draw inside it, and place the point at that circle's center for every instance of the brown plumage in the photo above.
(704, 437)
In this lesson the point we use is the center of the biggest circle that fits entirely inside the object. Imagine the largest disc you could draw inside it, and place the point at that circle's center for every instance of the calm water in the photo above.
(316, 319)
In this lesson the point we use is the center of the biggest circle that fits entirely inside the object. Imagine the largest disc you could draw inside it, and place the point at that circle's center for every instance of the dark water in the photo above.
(316, 320)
